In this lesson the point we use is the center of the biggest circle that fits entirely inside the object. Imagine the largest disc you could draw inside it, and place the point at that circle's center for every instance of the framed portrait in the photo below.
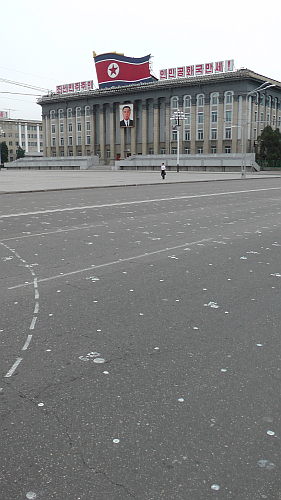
(126, 115)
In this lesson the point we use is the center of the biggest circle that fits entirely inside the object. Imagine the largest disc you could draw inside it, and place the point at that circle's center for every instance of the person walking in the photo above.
(163, 171)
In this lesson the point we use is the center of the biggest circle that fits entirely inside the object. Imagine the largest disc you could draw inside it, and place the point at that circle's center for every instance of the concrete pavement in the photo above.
(31, 181)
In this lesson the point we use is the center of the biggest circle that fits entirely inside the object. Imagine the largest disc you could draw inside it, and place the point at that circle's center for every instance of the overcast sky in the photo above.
(47, 43)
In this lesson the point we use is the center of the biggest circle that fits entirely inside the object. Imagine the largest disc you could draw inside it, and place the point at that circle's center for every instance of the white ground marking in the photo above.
(14, 367)
(28, 340)
(136, 202)
(119, 261)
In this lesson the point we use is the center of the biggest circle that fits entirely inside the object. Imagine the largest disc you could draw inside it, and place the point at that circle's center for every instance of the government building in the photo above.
(27, 134)
(218, 112)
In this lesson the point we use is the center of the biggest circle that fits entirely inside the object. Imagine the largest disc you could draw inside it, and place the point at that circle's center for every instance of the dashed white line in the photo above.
(34, 319)
(14, 367)
(28, 340)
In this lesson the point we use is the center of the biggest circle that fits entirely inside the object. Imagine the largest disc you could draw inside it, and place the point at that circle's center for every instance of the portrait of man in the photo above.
(126, 115)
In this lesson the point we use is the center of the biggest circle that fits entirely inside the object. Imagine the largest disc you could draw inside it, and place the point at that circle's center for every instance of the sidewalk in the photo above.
(23, 181)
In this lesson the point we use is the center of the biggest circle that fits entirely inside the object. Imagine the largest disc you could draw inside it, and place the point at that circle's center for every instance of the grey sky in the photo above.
(48, 43)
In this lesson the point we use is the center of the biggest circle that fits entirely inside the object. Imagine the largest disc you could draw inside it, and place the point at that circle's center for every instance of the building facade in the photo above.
(27, 134)
(216, 111)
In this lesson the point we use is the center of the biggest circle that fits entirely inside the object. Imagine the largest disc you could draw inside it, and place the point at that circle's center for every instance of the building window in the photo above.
(213, 150)
(228, 116)
(274, 121)
(52, 116)
(174, 135)
(61, 128)
(61, 114)
(10, 143)
(214, 134)
(174, 151)
(215, 99)
(261, 117)
(200, 117)
(88, 126)
(69, 113)
(78, 112)
(70, 153)
(228, 98)
(88, 152)
(174, 103)
(200, 150)
(187, 101)
(70, 141)
(79, 127)
(70, 127)
(62, 141)
(88, 139)
(268, 119)
(53, 129)
(151, 151)
(200, 135)
(79, 140)
(187, 119)
(163, 151)
(227, 149)
(79, 153)
(187, 151)
(53, 141)
(62, 153)
(256, 116)
(87, 110)
(214, 117)
(200, 100)
(108, 153)
(255, 134)
(228, 133)
(187, 135)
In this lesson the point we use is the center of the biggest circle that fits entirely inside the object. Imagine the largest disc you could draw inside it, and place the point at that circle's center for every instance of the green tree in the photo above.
(20, 153)
(4, 152)
(269, 144)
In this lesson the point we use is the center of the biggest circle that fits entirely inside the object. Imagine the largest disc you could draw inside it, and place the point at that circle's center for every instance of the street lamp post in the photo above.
(1, 134)
(178, 115)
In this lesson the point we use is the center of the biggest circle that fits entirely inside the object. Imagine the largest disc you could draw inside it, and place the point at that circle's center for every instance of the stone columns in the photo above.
(57, 135)
(102, 132)
(167, 125)
(220, 124)
(134, 133)
(144, 128)
(156, 128)
(83, 134)
(112, 133)
(93, 130)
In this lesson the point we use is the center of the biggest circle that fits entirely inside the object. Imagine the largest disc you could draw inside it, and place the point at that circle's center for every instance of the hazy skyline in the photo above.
(51, 43)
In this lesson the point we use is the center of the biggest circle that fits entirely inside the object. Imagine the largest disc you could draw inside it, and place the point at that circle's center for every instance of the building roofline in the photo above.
(243, 73)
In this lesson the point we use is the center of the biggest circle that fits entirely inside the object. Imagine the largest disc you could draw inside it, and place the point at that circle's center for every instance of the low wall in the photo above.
(207, 163)
(55, 163)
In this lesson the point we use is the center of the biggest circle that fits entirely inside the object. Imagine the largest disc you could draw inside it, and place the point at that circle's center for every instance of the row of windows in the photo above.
(70, 128)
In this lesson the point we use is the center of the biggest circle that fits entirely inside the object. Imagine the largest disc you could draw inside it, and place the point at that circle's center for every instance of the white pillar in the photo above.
(26, 138)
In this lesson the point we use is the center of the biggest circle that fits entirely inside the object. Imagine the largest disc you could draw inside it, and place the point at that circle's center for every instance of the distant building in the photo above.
(24, 133)
(214, 107)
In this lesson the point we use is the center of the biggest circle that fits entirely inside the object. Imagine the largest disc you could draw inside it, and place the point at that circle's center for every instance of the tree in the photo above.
(4, 152)
(269, 144)
(20, 153)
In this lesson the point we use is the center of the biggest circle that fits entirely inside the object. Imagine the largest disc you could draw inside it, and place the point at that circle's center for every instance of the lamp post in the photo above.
(178, 115)
(263, 86)
(1, 133)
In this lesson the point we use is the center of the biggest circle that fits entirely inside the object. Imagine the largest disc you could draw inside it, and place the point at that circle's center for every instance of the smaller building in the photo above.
(24, 133)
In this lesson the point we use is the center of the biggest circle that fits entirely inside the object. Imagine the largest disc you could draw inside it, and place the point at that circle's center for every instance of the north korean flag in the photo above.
(114, 70)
